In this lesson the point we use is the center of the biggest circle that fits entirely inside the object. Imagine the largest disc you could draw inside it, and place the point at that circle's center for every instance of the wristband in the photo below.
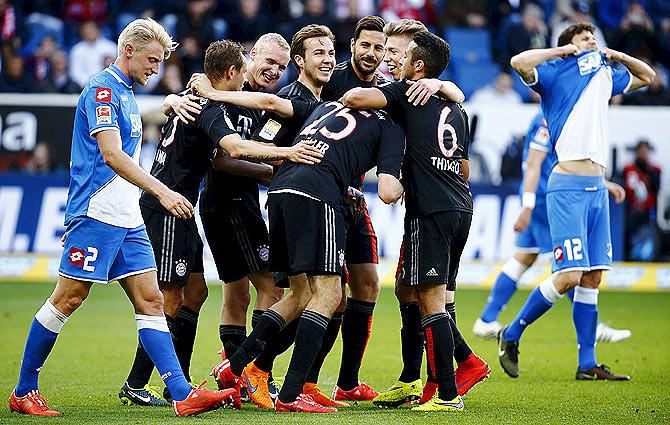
(528, 200)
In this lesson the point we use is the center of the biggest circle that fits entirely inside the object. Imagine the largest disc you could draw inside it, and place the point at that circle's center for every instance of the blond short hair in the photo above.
(271, 38)
(404, 27)
(140, 32)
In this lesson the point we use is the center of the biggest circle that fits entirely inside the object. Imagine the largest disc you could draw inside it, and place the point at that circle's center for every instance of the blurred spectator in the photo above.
(464, 13)
(315, 12)
(657, 94)
(58, 80)
(7, 21)
(249, 23)
(501, 92)
(192, 57)
(530, 33)
(581, 12)
(171, 82)
(40, 162)
(421, 10)
(196, 22)
(353, 10)
(636, 32)
(88, 56)
(38, 63)
(641, 181)
(85, 10)
(14, 79)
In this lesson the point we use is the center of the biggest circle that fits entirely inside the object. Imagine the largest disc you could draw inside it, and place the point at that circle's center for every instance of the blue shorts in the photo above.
(579, 219)
(536, 238)
(98, 252)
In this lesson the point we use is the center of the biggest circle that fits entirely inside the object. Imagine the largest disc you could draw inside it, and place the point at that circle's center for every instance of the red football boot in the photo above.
(32, 404)
(470, 372)
(361, 392)
(201, 400)
(429, 391)
(225, 378)
(312, 390)
(303, 403)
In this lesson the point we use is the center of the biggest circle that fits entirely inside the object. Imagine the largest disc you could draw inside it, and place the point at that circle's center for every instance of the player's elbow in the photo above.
(353, 99)
(389, 189)
(649, 77)
(518, 64)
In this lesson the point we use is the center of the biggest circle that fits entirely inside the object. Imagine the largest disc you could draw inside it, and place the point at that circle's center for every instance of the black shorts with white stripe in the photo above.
(238, 238)
(432, 248)
(177, 246)
(306, 235)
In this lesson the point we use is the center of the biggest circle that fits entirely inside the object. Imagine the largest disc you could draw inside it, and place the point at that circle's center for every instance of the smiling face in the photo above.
(319, 60)
(584, 41)
(268, 63)
(367, 51)
(406, 66)
(396, 45)
(144, 62)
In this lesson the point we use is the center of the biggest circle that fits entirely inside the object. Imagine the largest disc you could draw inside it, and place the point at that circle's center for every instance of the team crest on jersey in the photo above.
(558, 253)
(103, 115)
(103, 94)
(589, 63)
(541, 136)
(76, 257)
(340, 257)
(136, 124)
(264, 252)
(180, 268)
(270, 130)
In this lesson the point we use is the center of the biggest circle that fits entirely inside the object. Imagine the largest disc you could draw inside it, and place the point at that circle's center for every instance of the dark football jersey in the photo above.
(437, 140)
(222, 188)
(352, 142)
(184, 152)
(344, 78)
(281, 130)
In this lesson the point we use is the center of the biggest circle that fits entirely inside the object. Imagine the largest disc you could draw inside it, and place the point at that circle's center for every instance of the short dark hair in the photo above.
(573, 30)
(305, 33)
(433, 51)
(369, 23)
(221, 55)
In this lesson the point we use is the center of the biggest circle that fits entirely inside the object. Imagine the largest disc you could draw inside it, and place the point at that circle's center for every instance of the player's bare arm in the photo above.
(616, 191)
(389, 188)
(530, 180)
(302, 152)
(420, 91)
(109, 142)
(250, 100)
(239, 167)
(186, 107)
(360, 98)
(525, 62)
(465, 169)
(643, 74)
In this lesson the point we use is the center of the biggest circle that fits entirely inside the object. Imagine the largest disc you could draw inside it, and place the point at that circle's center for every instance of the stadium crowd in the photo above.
(56, 46)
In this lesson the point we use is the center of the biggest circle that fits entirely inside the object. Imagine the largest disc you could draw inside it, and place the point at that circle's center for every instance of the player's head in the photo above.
(142, 46)
(427, 56)
(225, 65)
(367, 46)
(269, 58)
(581, 34)
(398, 35)
(313, 53)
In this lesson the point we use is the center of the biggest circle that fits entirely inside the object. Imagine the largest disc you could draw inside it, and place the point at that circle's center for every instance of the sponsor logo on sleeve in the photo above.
(103, 115)
(136, 125)
(103, 94)
(558, 253)
(76, 257)
(270, 130)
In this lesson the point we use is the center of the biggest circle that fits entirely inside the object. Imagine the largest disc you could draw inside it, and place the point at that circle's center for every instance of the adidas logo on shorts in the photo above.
(432, 272)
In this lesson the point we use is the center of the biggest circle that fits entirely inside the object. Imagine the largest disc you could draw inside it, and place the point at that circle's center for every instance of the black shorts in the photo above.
(432, 248)
(177, 246)
(306, 236)
(361, 237)
(238, 239)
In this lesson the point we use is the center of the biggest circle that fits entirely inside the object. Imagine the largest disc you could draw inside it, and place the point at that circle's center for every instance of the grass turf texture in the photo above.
(94, 352)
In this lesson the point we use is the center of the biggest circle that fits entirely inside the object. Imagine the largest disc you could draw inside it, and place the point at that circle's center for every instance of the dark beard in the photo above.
(358, 64)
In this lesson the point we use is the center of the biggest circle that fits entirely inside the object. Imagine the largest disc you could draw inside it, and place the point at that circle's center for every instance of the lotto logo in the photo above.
(76, 257)
(103, 94)
(558, 253)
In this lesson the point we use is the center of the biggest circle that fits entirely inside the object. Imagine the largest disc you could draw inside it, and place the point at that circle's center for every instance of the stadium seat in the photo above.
(220, 28)
(471, 76)
(38, 26)
(472, 45)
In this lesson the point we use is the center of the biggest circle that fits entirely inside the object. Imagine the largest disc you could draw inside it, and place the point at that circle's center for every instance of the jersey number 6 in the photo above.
(442, 128)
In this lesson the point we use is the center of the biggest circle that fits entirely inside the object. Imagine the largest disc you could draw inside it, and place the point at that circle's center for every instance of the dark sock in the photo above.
(308, 341)
(232, 336)
(265, 360)
(185, 326)
(440, 353)
(461, 349)
(411, 342)
(329, 339)
(255, 317)
(266, 330)
(356, 326)
(140, 372)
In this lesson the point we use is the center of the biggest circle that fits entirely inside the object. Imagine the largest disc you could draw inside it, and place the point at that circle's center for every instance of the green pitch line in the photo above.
(96, 347)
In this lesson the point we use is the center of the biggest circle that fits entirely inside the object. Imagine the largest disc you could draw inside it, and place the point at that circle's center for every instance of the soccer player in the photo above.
(438, 203)
(576, 82)
(313, 243)
(182, 161)
(106, 239)
(534, 238)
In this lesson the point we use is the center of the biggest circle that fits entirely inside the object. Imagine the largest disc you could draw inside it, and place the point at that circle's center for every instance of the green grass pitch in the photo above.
(94, 352)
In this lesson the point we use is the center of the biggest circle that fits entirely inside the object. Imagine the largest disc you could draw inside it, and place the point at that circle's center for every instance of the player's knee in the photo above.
(71, 302)
(404, 294)
(566, 281)
(591, 279)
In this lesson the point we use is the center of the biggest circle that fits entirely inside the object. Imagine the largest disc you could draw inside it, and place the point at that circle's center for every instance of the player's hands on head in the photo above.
(201, 85)
(612, 55)
(176, 204)
(305, 153)
(186, 107)
(420, 91)
(570, 50)
(523, 220)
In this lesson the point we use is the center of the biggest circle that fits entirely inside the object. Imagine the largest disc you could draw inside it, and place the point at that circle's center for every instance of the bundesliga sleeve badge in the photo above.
(103, 94)
(270, 130)
(103, 115)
